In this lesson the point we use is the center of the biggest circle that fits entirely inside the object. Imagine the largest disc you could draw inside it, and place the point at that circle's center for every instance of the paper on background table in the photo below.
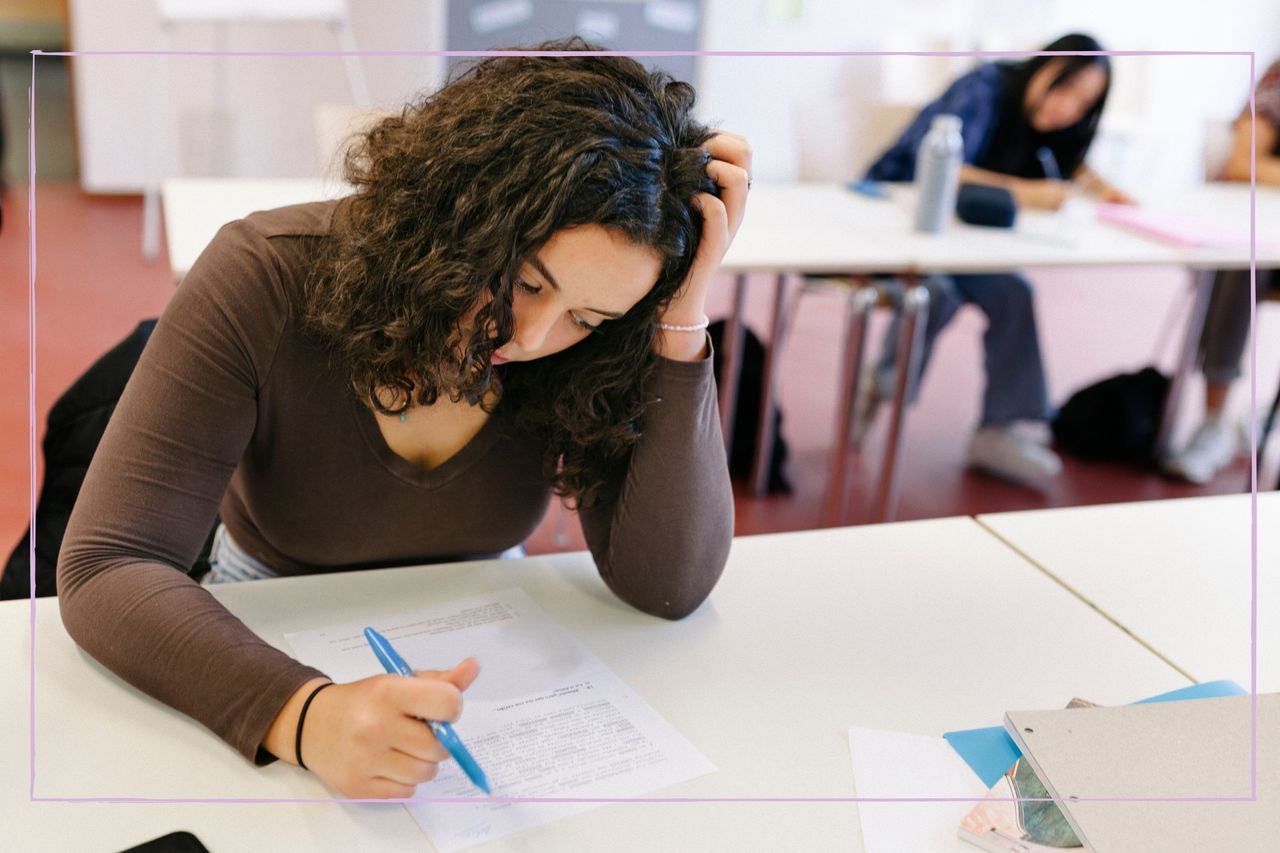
(896, 764)
(546, 718)
(1177, 230)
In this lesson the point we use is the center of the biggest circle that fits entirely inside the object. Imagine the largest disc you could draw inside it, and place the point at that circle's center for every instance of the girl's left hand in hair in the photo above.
(730, 168)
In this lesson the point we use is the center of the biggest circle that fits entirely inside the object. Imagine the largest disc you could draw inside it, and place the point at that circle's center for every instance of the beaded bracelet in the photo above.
(297, 741)
(696, 327)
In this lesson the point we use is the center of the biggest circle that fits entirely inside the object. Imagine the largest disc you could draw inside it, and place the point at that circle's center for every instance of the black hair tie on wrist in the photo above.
(302, 718)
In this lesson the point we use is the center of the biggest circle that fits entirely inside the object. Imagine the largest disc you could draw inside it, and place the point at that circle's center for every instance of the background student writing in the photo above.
(1019, 121)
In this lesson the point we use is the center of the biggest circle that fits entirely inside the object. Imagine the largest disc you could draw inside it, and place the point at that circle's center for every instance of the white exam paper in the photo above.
(545, 718)
(899, 765)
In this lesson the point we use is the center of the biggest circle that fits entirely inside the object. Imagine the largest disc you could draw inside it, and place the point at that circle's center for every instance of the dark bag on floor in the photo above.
(76, 424)
(1116, 419)
(746, 420)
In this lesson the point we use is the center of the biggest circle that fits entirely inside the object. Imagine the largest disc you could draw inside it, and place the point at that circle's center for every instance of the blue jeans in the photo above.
(1015, 371)
(1226, 325)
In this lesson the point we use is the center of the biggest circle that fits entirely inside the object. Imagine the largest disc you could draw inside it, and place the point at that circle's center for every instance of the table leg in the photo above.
(764, 445)
(1264, 433)
(734, 333)
(915, 314)
(857, 309)
(1202, 281)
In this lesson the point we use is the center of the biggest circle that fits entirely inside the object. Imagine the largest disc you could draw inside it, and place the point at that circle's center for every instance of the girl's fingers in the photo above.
(414, 738)
(715, 223)
(427, 698)
(385, 789)
(714, 242)
(404, 769)
(731, 148)
(461, 676)
(733, 181)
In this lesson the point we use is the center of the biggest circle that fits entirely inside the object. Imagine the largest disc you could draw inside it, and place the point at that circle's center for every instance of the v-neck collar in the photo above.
(406, 471)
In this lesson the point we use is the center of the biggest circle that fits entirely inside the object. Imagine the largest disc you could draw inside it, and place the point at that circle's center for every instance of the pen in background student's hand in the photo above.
(1048, 163)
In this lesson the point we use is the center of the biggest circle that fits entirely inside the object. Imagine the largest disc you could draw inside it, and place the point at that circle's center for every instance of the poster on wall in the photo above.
(658, 25)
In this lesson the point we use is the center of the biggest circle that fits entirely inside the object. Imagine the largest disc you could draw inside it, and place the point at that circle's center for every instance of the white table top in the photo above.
(1224, 207)
(824, 227)
(916, 626)
(821, 227)
(195, 208)
(1176, 573)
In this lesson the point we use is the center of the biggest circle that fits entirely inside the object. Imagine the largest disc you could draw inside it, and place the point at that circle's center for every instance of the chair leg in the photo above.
(915, 314)
(1202, 280)
(858, 307)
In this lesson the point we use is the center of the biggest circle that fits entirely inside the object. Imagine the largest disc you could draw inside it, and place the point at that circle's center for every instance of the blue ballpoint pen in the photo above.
(444, 732)
(1048, 163)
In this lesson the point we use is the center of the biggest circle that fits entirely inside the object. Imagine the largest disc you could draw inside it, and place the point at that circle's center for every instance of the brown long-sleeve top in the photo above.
(234, 410)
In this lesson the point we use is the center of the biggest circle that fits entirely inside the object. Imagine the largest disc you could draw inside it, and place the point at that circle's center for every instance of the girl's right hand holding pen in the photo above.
(366, 739)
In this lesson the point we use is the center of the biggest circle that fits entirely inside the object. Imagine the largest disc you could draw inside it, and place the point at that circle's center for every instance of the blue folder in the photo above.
(990, 752)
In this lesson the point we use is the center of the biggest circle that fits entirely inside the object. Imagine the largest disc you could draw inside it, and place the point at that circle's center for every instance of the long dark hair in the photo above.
(457, 192)
(1014, 142)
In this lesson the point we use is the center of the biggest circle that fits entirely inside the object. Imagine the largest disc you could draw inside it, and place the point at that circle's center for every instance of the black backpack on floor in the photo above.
(1116, 419)
(746, 421)
(76, 424)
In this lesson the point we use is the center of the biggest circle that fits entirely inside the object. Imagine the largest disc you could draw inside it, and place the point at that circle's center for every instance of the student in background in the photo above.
(1216, 441)
(511, 304)
(1027, 127)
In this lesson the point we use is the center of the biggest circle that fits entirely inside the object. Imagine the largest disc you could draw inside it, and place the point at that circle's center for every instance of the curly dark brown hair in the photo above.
(463, 187)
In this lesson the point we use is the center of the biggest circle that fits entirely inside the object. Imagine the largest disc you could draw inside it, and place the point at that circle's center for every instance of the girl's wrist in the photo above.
(684, 311)
(681, 346)
(281, 736)
(699, 325)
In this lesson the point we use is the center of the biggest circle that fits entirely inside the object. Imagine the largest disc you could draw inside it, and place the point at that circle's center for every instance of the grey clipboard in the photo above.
(1191, 749)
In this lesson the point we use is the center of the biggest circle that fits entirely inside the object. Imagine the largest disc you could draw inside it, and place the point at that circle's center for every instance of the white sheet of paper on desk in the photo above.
(546, 718)
(899, 765)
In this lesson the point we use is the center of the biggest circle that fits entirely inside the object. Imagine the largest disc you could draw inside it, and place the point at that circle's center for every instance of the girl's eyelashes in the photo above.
(577, 321)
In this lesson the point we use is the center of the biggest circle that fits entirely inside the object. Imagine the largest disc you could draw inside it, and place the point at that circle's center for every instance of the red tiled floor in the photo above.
(93, 286)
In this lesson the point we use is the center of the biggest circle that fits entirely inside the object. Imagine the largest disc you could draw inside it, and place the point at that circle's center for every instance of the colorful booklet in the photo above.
(1013, 827)
(1001, 826)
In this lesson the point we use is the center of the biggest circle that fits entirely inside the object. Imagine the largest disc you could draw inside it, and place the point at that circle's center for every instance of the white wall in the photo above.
(266, 127)
(808, 117)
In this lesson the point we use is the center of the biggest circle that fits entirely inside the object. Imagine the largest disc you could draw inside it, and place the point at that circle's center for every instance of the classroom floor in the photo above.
(92, 286)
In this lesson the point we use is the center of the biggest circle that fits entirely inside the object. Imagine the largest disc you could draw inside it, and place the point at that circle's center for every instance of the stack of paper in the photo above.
(546, 719)
(963, 766)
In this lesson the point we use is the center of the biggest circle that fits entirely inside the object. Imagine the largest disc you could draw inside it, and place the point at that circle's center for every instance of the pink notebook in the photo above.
(1178, 230)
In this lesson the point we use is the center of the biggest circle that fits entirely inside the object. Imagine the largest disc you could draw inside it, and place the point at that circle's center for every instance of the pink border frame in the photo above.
(1253, 404)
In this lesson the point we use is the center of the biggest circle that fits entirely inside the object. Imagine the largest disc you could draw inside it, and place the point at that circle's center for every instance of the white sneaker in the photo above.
(1002, 451)
(1213, 447)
